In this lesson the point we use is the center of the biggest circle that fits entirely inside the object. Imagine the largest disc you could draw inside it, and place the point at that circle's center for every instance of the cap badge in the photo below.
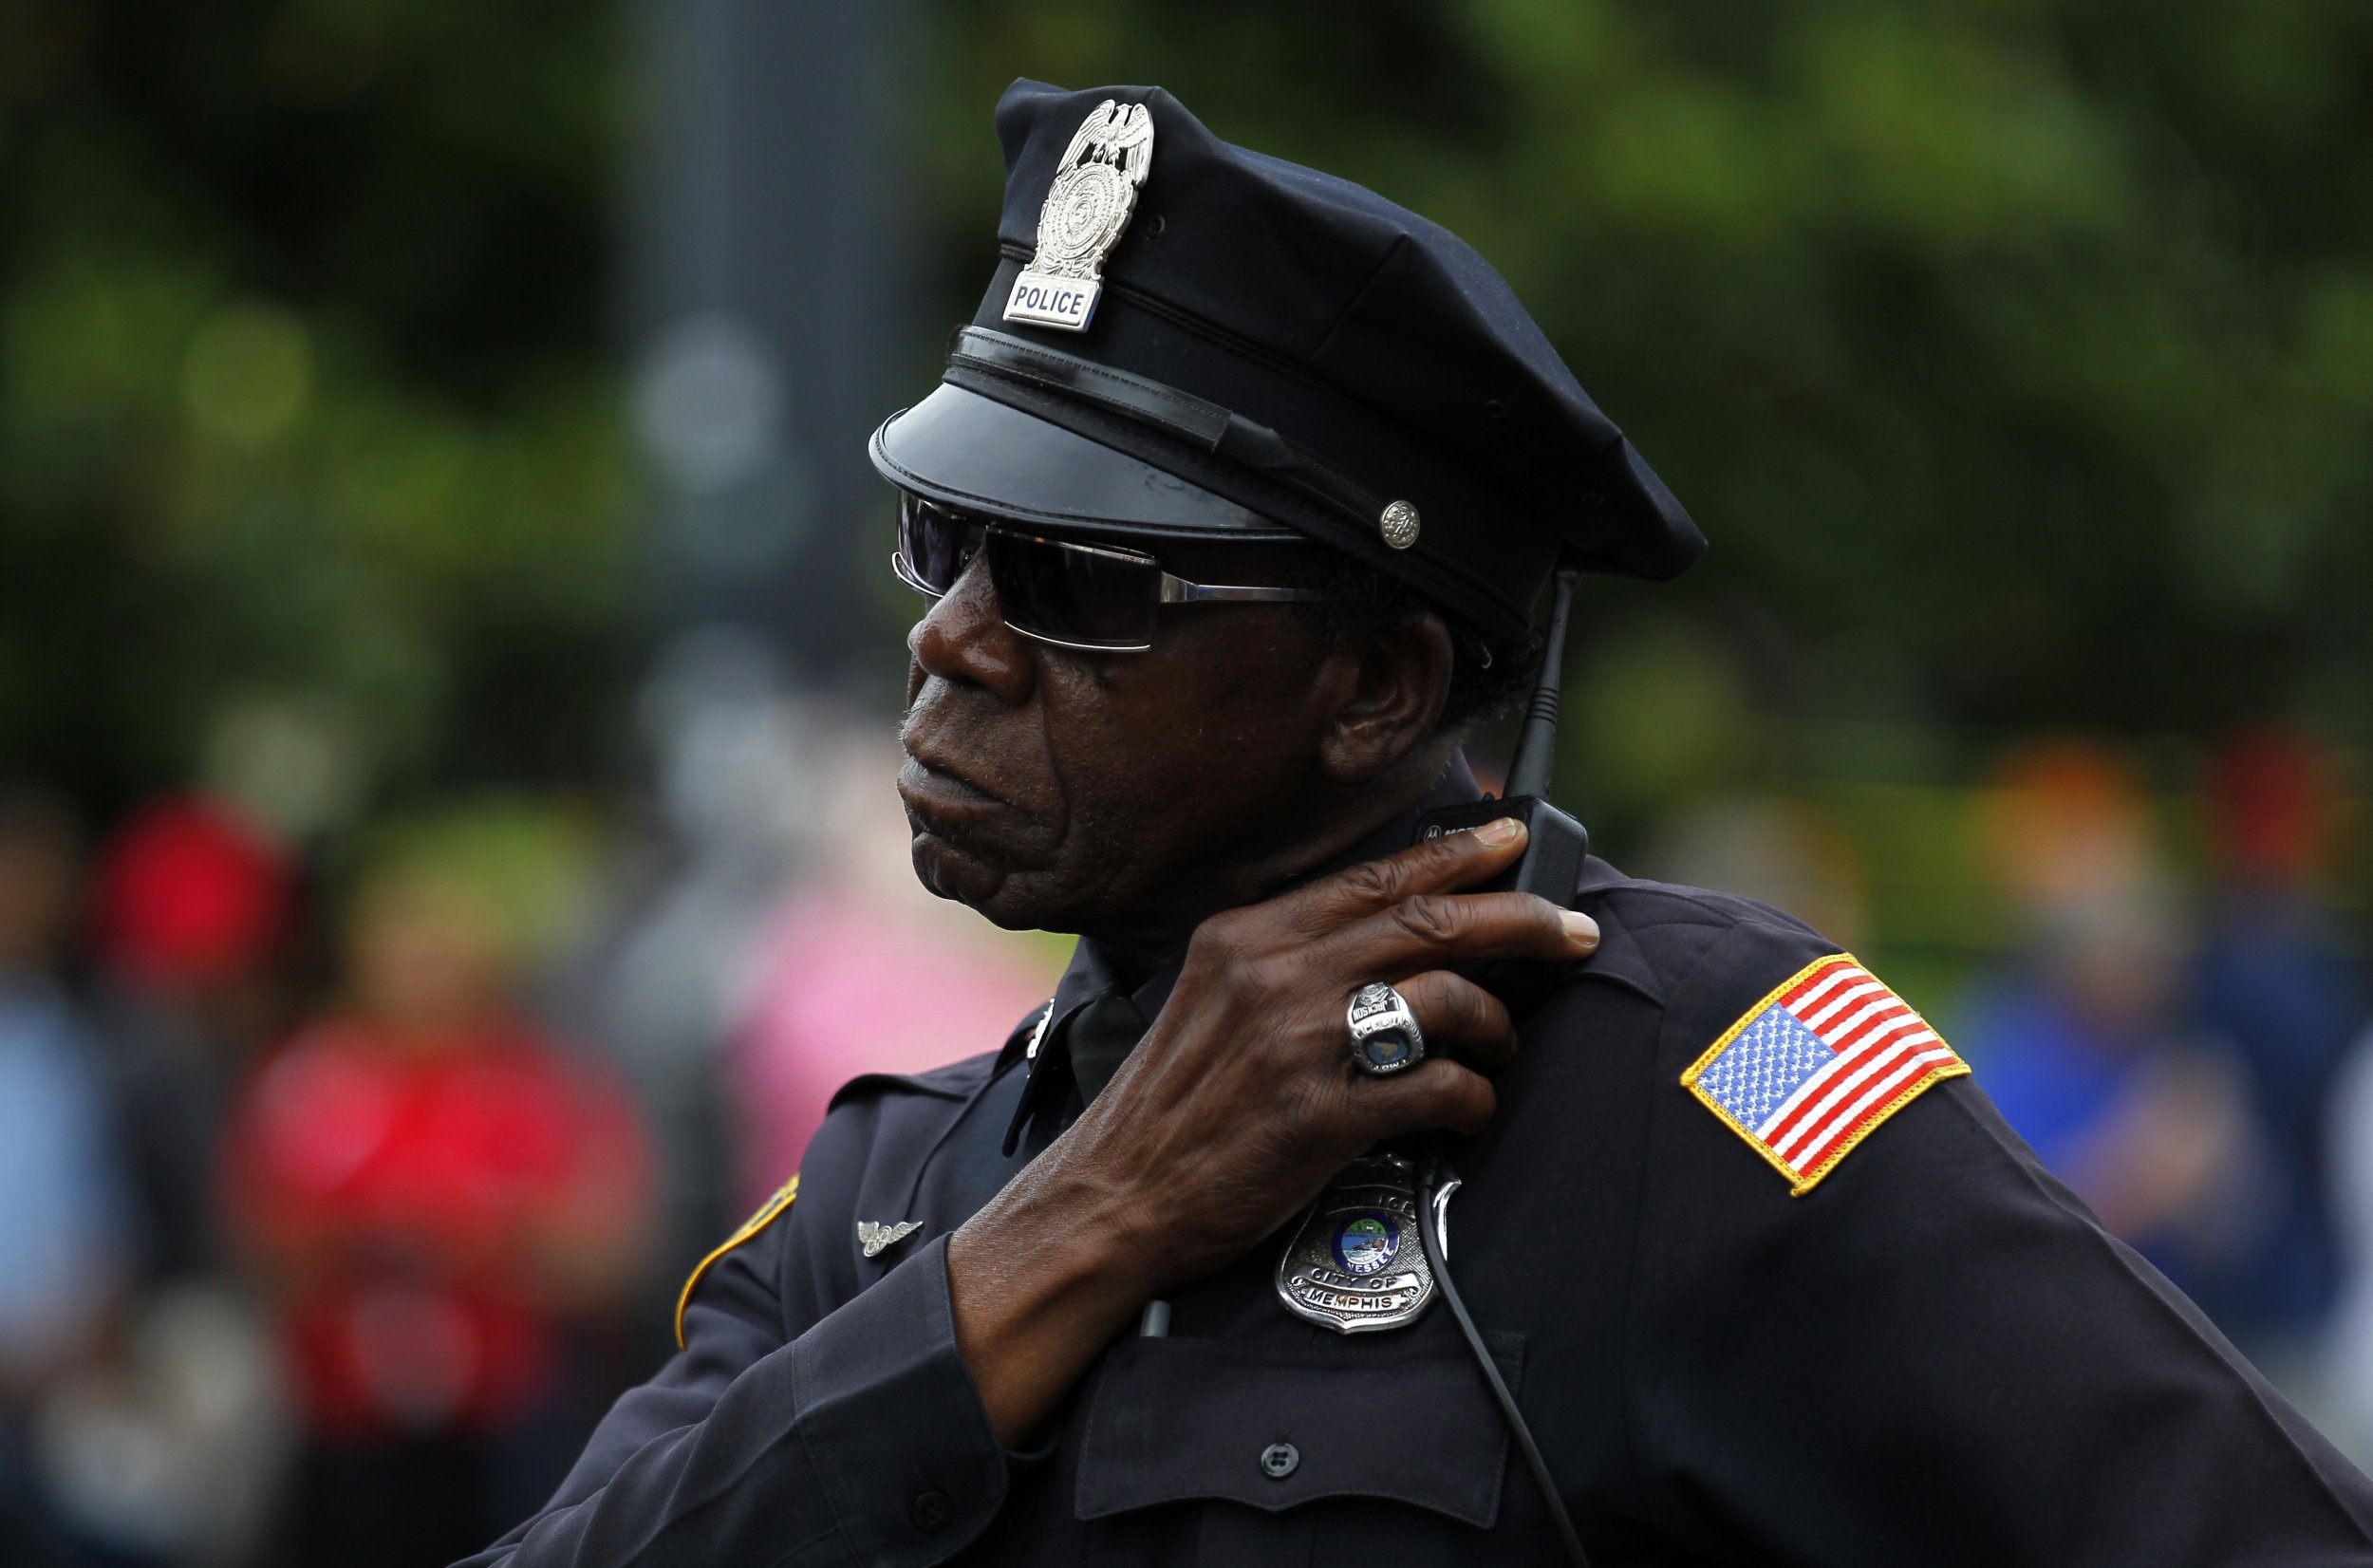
(1398, 524)
(1093, 193)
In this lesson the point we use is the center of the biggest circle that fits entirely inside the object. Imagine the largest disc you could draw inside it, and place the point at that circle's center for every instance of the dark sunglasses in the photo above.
(1097, 597)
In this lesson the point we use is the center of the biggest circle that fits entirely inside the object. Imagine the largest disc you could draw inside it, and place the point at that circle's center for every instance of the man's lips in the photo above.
(939, 772)
(955, 817)
(970, 795)
(945, 802)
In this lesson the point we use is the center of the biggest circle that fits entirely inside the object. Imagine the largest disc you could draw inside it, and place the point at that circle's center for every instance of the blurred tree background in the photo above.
(309, 435)
(2014, 355)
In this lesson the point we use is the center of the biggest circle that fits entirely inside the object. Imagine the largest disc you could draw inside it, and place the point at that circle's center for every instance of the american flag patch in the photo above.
(1814, 1067)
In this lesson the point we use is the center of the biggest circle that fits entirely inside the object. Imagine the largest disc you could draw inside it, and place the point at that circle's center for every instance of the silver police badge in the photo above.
(1094, 192)
(1356, 1264)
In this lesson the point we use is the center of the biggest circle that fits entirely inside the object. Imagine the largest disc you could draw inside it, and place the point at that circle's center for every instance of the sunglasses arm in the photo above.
(1177, 590)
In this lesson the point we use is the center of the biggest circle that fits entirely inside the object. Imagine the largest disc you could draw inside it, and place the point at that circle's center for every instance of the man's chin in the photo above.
(1003, 894)
(957, 874)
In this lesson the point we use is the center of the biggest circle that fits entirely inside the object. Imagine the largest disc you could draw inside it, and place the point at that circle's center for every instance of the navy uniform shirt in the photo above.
(1935, 1356)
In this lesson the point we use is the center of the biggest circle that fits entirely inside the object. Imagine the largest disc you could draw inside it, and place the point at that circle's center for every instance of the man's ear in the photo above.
(1399, 682)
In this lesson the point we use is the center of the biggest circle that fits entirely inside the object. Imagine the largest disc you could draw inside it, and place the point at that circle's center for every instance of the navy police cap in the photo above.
(1186, 339)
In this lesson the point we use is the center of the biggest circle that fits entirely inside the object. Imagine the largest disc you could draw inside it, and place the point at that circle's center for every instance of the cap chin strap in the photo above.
(1182, 415)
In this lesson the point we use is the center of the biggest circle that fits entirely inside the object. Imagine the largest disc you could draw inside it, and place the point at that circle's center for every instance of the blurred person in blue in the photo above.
(2279, 983)
(2344, 1358)
(167, 1446)
(2083, 1038)
(65, 1224)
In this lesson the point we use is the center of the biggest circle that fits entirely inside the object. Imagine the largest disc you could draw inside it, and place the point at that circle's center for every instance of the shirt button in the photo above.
(932, 1512)
(1279, 1459)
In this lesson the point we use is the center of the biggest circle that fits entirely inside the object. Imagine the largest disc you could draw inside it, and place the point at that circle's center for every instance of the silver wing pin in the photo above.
(877, 1240)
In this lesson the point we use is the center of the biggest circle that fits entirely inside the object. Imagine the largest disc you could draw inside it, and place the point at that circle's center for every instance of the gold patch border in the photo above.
(1798, 1187)
(772, 1209)
(1954, 1069)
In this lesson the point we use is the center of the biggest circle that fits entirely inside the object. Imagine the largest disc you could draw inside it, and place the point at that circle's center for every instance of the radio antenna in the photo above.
(1537, 743)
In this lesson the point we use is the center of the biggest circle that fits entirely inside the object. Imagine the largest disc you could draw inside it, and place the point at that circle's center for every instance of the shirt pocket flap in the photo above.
(1173, 1420)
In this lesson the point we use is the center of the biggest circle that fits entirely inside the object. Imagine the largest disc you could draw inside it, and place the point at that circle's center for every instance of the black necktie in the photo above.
(1100, 1036)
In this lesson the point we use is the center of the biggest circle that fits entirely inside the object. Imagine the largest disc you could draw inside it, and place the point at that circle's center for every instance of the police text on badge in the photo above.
(1087, 204)
(1046, 301)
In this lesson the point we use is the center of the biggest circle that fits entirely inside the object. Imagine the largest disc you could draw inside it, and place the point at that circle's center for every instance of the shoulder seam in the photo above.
(1716, 905)
(932, 1082)
(774, 1209)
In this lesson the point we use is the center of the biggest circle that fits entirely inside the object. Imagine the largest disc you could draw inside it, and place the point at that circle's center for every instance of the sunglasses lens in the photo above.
(936, 543)
(1086, 598)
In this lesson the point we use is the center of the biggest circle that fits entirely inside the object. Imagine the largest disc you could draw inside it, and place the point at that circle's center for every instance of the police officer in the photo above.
(1231, 512)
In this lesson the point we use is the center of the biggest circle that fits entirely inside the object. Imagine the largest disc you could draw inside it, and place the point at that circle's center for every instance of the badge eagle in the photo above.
(1087, 206)
(1815, 1067)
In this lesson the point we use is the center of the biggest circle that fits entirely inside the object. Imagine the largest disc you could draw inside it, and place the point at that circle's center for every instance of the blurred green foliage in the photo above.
(307, 398)
(524, 872)
(2016, 356)
(2013, 354)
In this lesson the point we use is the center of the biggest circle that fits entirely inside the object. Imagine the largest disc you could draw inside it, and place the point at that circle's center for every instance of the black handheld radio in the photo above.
(1555, 845)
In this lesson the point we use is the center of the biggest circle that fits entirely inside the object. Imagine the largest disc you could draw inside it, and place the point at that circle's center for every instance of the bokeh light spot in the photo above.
(249, 372)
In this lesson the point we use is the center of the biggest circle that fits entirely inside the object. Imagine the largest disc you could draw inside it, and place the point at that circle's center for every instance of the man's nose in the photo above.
(964, 638)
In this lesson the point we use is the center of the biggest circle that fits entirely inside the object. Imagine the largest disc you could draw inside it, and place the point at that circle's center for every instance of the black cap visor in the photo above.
(973, 453)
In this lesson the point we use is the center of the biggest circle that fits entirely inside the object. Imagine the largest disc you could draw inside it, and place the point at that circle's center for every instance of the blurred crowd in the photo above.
(287, 1267)
(2175, 1014)
(345, 1177)
(344, 1183)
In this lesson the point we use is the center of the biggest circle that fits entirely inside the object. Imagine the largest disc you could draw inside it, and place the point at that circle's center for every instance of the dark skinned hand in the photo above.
(1240, 1103)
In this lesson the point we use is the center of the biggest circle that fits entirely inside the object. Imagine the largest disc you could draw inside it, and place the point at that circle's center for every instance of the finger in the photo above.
(1453, 1010)
(1434, 1094)
(1434, 930)
(1454, 860)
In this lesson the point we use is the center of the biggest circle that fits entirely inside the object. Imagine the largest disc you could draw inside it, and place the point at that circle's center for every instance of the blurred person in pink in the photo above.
(440, 1197)
(832, 995)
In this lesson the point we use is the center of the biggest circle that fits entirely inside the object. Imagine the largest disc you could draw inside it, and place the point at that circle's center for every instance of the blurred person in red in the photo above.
(440, 1197)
